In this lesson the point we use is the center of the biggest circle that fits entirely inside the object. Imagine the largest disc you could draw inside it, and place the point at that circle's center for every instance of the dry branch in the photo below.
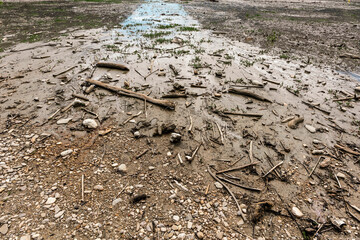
(112, 65)
(129, 93)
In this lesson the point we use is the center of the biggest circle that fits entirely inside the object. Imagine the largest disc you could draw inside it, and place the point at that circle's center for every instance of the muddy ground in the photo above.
(78, 161)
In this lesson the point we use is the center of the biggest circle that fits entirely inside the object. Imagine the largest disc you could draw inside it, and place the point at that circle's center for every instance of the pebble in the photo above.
(137, 134)
(200, 235)
(66, 152)
(219, 234)
(325, 163)
(99, 187)
(151, 168)
(4, 229)
(90, 123)
(50, 200)
(116, 201)
(176, 218)
(26, 237)
(122, 168)
(340, 175)
(175, 137)
(310, 128)
(218, 185)
(63, 121)
(297, 212)
(59, 214)
(189, 225)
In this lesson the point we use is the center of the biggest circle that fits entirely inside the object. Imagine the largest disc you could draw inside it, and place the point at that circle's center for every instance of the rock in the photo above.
(310, 128)
(340, 175)
(122, 168)
(219, 234)
(189, 225)
(200, 235)
(357, 89)
(4, 229)
(218, 185)
(59, 214)
(66, 152)
(63, 121)
(90, 123)
(325, 163)
(99, 187)
(26, 237)
(137, 134)
(50, 200)
(339, 223)
(176, 218)
(57, 209)
(175, 137)
(240, 222)
(116, 201)
(297, 212)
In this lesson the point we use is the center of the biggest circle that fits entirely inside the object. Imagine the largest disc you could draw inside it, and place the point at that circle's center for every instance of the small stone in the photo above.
(99, 187)
(240, 222)
(4, 229)
(57, 209)
(200, 235)
(176, 218)
(90, 123)
(219, 234)
(116, 201)
(325, 163)
(218, 185)
(137, 134)
(357, 89)
(310, 128)
(297, 212)
(26, 237)
(151, 168)
(340, 175)
(189, 225)
(59, 214)
(317, 152)
(66, 152)
(175, 137)
(50, 200)
(122, 168)
(63, 121)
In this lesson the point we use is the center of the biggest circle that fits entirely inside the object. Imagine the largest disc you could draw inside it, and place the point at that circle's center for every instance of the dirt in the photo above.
(169, 49)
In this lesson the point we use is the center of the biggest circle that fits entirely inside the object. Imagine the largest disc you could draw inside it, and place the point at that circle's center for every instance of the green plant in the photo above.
(188, 29)
(156, 34)
(272, 37)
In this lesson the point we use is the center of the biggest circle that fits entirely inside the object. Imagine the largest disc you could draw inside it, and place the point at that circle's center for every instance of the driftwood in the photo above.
(249, 94)
(112, 65)
(346, 149)
(129, 93)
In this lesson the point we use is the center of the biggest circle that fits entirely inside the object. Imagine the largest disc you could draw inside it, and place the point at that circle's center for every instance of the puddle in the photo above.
(155, 17)
(351, 74)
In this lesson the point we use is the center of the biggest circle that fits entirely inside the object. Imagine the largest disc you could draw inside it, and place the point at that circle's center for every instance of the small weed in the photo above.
(247, 63)
(167, 26)
(284, 56)
(32, 38)
(272, 37)
(162, 40)
(188, 29)
(113, 48)
(156, 34)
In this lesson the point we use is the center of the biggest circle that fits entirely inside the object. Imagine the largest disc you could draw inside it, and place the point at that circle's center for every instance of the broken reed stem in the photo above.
(250, 152)
(82, 188)
(237, 168)
(273, 168)
(191, 125)
(228, 189)
(317, 163)
(221, 134)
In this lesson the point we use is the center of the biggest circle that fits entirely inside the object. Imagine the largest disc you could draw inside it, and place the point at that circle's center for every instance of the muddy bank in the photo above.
(318, 32)
(244, 145)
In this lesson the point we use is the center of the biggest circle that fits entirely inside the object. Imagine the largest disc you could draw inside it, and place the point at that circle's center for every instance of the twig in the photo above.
(82, 188)
(251, 152)
(317, 163)
(145, 109)
(127, 120)
(273, 168)
(150, 74)
(243, 114)
(180, 159)
(239, 185)
(221, 134)
(337, 179)
(139, 73)
(237, 168)
(122, 190)
(195, 151)
(346, 149)
(142, 154)
(65, 71)
(228, 189)
(191, 125)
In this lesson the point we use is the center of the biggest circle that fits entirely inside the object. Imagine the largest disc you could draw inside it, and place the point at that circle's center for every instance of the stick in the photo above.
(79, 96)
(221, 134)
(142, 154)
(82, 188)
(273, 168)
(139, 73)
(195, 151)
(316, 107)
(54, 114)
(127, 120)
(122, 190)
(243, 114)
(346, 149)
(237, 168)
(241, 186)
(145, 109)
(129, 93)
(150, 73)
(248, 94)
(317, 163)
(346, 99)
(180, 159)
(65, 71)
(270, 81)
(337, 179)
(250, 152)
(112, 65)
(228, 189)
(191, 124)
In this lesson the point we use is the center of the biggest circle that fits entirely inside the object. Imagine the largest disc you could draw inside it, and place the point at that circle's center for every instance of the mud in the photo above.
(205, 65)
